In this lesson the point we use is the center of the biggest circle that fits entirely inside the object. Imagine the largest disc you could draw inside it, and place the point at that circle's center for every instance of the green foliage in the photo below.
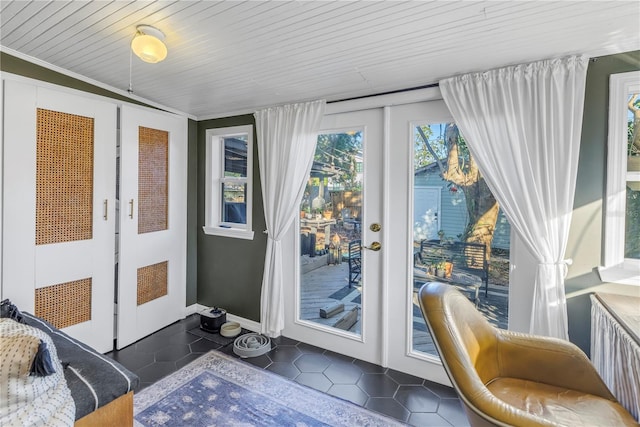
(632, 218)
(463, 150)
(339, 154)
(435, 136)
(632, 225)
(632, 127)
(631, 149)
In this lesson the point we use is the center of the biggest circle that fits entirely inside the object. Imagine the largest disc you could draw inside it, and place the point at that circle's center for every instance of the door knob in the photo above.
(375, 227)
(375, 246)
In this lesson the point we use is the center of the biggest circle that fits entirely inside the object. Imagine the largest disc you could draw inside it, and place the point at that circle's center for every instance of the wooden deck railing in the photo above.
(461, 256)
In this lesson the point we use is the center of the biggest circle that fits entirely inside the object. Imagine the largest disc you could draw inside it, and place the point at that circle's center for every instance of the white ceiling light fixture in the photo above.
(148, 44)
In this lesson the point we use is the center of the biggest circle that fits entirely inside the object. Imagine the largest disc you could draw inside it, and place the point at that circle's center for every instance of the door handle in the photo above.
(375, 246)
(131, 208)
(105, 206)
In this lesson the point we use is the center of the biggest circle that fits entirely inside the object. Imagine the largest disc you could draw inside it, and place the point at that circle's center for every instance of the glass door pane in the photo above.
(330, 234)
(460, 235)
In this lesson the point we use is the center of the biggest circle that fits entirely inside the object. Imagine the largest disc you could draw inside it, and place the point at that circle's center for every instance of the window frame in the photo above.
(214, 180)
(617, 268)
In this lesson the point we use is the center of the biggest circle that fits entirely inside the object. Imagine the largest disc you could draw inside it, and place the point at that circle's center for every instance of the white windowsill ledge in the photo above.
(626, 275)
(228, 232)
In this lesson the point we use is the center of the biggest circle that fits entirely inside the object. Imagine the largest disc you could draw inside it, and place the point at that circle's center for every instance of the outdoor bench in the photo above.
(470, 258)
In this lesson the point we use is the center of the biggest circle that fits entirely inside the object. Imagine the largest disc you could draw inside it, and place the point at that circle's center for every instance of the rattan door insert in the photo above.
(64, 177)
(152, 282)
(65, 304)
(153, 180)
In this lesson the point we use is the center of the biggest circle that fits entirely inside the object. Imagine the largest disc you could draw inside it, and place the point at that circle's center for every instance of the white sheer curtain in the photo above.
(286, 138)
(522, 124)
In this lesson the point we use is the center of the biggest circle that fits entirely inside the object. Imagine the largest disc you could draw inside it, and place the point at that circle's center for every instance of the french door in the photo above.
(415, 212)
(359, 206)
(384, 294)
(152, 215)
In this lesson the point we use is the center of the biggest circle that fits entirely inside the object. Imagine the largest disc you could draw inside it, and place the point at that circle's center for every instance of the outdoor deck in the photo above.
(494, 307)
(324, 284)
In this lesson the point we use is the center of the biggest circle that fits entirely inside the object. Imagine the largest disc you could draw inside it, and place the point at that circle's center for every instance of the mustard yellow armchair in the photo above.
(505, 378)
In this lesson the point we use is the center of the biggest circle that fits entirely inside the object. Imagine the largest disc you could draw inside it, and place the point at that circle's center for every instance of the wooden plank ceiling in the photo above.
(228, 57)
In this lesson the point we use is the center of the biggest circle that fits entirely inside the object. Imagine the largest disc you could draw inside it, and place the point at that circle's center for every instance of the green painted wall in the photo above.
(11, 64)
(585, 238)
(192, 213)
(230, 270)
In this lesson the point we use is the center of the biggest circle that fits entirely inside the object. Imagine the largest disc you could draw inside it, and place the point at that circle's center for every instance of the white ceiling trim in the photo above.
(101, 85)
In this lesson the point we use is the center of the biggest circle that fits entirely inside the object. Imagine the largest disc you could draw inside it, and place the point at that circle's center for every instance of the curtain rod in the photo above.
(427, 86)
(591, 59)
(386, 93)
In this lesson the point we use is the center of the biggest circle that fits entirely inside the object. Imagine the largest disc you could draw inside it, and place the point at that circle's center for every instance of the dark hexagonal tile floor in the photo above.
(406, 398)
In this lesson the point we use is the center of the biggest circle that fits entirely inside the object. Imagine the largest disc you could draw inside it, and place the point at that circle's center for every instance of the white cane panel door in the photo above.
(59, 209)
(153, 205)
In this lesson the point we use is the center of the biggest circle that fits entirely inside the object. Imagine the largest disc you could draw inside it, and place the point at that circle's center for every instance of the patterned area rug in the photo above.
(219, 390)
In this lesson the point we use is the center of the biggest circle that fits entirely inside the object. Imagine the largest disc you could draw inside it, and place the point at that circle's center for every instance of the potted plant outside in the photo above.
(438, 269)
(327, 213)
(448, 269)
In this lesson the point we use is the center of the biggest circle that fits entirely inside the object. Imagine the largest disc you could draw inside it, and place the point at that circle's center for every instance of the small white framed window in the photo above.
(229, 178)
(622, 204)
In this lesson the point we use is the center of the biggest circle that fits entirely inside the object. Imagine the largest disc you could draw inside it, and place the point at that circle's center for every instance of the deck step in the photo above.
(331, 309)
(347, 320)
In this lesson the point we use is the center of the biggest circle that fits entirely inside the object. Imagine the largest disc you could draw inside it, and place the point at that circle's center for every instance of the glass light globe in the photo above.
(149, 48)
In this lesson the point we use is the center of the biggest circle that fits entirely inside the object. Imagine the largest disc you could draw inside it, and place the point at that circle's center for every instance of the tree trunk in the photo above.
(482, 227)
(482, 207)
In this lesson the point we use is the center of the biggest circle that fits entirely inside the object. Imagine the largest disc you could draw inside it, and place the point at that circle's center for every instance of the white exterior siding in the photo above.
(453, 210)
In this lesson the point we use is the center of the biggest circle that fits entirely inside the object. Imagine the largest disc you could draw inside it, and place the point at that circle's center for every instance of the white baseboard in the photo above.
(251, 325)
(193, 309)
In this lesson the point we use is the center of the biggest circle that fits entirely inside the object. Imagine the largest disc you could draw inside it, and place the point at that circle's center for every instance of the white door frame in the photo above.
(366, 346)
(402, 357)
(391, 325)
